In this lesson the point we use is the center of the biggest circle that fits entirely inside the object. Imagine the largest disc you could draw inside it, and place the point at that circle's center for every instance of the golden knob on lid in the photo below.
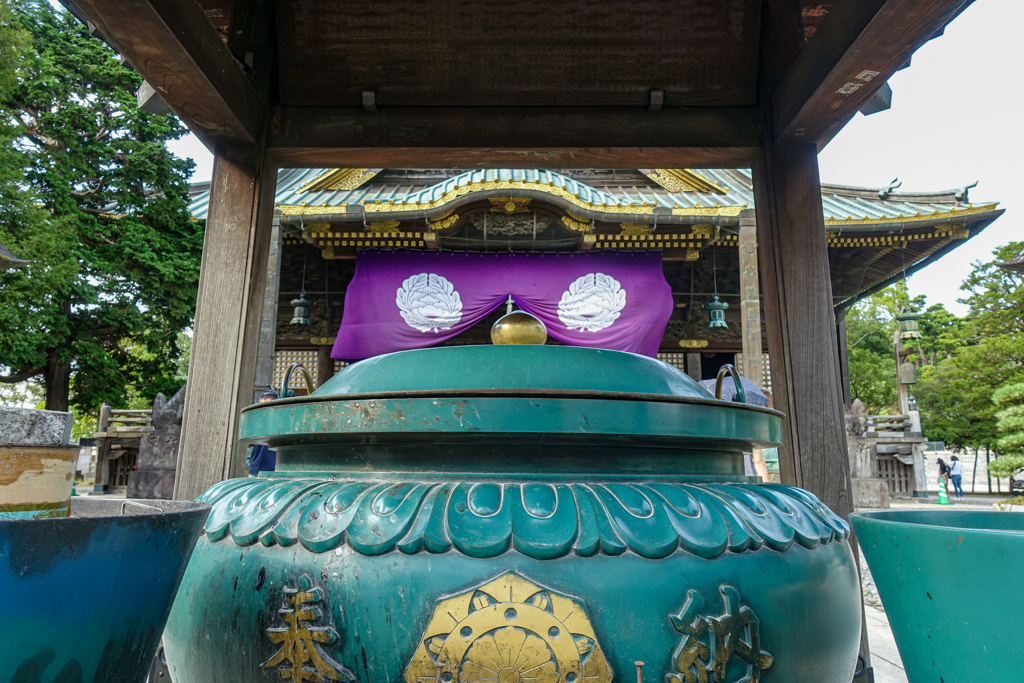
(519, 327)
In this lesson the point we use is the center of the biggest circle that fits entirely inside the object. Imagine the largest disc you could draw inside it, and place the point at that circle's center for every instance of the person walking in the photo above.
(943, 475)
(262, 459)
(956, 471)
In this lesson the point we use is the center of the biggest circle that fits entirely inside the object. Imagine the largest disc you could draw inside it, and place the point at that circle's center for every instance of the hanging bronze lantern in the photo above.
(301, 314)
(908, 372)
(908, 326)
(716, 313)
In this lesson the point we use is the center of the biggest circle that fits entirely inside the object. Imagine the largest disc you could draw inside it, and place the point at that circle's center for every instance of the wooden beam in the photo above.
(801, 325)
(177, 51)
(858, 47)
(513, 157)
(519, 137)
(222, 367)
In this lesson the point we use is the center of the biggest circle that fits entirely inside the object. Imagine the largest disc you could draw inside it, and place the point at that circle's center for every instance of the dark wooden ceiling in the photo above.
(512, 52)
(489, 82)
(518, 52)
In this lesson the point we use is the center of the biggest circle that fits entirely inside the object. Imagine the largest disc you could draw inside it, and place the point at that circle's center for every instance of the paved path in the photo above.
(885, 658)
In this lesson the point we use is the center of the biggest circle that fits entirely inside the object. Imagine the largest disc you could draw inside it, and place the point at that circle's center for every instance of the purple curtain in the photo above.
(410, 300)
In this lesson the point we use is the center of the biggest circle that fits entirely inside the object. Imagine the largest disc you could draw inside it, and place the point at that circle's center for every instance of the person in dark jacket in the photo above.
(943, 474)
(262, 459)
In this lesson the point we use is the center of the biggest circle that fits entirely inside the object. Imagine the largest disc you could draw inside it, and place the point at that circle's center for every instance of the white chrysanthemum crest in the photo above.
(592, 303)
(428, 302)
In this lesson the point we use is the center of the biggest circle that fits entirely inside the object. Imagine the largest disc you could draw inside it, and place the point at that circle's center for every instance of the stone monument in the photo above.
(869, 490)
(158, 451)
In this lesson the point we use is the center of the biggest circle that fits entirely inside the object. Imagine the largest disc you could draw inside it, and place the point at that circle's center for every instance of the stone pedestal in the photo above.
(870, 492)
(158, 459)
(30, 427)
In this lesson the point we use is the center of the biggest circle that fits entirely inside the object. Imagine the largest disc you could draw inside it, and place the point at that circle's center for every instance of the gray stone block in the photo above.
(30, 427)
(155, 485)
(158, 452)
(870, 492)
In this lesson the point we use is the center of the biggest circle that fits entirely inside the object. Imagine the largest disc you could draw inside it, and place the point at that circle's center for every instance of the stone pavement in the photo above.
(885, 658)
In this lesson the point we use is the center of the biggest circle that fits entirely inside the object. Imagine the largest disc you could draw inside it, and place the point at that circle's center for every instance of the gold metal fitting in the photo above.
(519, 327)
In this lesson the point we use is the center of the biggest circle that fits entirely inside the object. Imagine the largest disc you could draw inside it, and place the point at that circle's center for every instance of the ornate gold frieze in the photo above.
(576, 226)
(444, 222)
(709, 643)
(321, 341)
(305, 210)
(315, 230)
(327, 251)
(509, 204)
(693, 343)
(382, 226)
(339, 179)
(708, 210)
(635, 229)
(301, 642)
(958, 232)
(509, 629)
(692, 254)
(683, 180)
(704, 231)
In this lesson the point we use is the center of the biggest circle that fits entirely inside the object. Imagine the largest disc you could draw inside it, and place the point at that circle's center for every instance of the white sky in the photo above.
(956, 117)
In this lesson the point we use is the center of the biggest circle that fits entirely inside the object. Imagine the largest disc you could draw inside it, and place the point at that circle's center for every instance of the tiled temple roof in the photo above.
(616, 194)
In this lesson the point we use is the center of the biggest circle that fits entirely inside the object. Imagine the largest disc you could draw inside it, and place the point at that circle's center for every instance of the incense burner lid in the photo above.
(520, 370)
(507, 389)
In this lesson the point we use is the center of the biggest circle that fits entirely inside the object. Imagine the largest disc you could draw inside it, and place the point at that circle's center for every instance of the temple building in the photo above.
(699, 222)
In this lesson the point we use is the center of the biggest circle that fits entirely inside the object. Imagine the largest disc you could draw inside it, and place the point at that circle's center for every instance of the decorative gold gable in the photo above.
(683, 180)
(340, 179)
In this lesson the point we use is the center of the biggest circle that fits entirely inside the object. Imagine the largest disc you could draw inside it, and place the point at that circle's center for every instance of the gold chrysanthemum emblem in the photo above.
(509, 630)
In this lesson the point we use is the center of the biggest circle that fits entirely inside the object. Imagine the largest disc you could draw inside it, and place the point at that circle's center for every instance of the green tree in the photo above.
(995, 296)
(115, 255)
(942, 335)
(1010, 401)
(983, 352)
(870, 325)
(873, 380)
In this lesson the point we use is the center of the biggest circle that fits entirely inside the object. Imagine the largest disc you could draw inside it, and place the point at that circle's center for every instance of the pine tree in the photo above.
(91, 196)
(1010, 400)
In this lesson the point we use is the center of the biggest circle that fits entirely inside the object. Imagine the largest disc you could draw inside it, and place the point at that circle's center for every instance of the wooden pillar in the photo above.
(101, 481)
(324, 365)
(844, 359)
(902, 392)
(222, 370)
(750, 303)
(693, 366)
(268, 319)
(801, 322)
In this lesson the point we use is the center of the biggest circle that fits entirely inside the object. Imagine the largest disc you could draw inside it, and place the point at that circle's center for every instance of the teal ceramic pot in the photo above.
(84, 599)
(515, 514)
(950, 584)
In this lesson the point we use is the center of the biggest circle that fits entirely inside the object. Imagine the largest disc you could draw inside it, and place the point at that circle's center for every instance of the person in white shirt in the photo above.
(956, 471)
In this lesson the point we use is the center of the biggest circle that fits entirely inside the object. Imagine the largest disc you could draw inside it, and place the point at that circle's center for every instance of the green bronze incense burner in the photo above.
(515, 513)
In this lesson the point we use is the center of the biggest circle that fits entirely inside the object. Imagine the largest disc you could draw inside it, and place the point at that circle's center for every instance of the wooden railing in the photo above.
(115, 422)
(880, 426)
(117, 444)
